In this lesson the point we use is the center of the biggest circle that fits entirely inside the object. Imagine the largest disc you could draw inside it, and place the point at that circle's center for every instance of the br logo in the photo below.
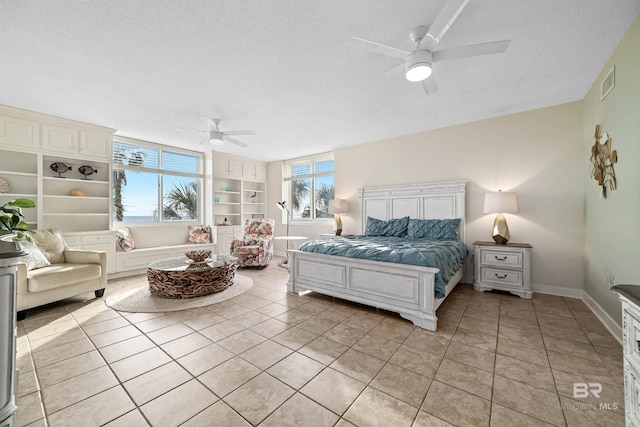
(582, 390)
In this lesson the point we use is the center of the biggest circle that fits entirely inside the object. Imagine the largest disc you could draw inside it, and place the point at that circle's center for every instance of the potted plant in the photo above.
(12, 220)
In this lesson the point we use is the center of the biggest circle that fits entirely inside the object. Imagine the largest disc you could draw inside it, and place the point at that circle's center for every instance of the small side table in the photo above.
(285, 262)
(331, 235)
(503, 267)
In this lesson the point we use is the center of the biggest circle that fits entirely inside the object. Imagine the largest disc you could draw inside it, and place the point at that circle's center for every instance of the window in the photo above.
(309, 184)
(154, 184)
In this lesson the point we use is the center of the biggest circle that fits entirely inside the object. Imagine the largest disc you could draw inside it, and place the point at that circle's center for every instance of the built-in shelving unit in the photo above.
(87, 212)
(20, 170)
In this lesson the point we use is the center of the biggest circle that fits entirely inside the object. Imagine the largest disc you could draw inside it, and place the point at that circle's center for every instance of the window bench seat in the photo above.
(153, 243)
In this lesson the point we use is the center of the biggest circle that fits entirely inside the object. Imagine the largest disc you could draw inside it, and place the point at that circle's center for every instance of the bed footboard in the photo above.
(404, 289)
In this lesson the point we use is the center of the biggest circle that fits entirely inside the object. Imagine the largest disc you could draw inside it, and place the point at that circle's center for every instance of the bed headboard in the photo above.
(432, 200)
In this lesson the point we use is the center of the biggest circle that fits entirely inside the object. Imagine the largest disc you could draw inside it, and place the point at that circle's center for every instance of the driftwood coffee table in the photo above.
(181, 278)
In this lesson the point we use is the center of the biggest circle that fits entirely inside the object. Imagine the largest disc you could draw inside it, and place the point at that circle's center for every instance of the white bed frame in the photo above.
(405, 289)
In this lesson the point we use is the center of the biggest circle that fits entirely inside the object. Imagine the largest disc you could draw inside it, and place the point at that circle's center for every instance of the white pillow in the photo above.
(34, 258)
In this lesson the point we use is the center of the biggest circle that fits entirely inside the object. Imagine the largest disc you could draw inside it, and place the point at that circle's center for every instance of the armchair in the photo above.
(255, 249)
(68, 272)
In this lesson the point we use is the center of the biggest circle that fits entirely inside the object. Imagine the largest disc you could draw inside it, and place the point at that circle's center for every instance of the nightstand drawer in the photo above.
(501, 277)
(501, 258)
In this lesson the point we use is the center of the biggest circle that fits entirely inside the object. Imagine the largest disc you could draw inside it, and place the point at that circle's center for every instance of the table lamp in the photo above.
(500, 202)
(336, 207)
(283, 206)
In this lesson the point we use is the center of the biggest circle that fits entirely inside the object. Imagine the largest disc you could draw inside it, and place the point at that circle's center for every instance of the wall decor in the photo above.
(87, 170)
(4, 185)
(602, 160)
(59, 168)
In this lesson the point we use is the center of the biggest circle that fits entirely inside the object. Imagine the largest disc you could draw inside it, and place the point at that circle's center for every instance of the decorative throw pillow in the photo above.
(434, 229)
(199, 234)
(34, 258)
(125, 239)
(396, 227)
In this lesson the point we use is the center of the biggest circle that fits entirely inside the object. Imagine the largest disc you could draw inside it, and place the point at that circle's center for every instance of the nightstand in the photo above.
(331, 235)
(503, 267)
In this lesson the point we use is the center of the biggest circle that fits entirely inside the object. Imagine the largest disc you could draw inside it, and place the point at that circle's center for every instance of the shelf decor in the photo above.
(602, 160)
(59, 168)
(4, 185)
(87, 170)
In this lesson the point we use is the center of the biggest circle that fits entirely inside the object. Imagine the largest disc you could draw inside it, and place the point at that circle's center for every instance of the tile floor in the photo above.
(270, 358)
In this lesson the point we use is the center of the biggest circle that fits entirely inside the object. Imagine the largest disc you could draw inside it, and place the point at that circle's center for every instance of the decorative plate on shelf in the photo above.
(4, 185)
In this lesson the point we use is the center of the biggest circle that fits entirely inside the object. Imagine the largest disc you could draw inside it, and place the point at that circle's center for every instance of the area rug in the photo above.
(138, 299)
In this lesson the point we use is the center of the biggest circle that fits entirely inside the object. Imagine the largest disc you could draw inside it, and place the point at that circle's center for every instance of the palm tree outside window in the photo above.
(309, 185)
(151, 184)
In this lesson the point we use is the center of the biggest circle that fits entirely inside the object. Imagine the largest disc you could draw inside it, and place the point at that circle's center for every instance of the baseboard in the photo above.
(608, 322)
(557, 291)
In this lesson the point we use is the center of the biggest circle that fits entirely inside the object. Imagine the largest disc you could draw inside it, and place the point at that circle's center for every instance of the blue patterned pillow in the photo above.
(392, 228)
(434, 229)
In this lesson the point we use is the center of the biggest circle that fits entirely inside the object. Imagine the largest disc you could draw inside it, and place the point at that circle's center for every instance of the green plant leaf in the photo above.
(22, 203)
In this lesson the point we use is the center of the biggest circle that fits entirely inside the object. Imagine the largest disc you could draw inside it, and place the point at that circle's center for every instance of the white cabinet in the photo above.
(227, 166)
(503, 267)
(96, 145)
(19, 133)
(254, 171)
(95, 241)
(225, 235)
(630, 298)
(68, 140)
(59, 139)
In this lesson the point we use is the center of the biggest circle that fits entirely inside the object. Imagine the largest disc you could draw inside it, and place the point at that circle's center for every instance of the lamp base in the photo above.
(501, 230)
(337, 225)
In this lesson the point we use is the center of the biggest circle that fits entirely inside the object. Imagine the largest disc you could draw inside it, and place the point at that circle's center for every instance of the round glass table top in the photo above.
(183, 263)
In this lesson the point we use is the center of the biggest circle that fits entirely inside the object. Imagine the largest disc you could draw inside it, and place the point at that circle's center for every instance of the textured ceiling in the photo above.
(285, 68)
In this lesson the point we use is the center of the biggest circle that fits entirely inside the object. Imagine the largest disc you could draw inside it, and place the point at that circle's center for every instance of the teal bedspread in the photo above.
(445, 255)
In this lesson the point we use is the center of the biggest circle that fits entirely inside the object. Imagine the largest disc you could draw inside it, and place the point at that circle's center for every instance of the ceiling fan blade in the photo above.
(238, 132)
(378, 47)
(471, 50)
(194, 130)
(429, 85)
(234, 141)
(445, 19)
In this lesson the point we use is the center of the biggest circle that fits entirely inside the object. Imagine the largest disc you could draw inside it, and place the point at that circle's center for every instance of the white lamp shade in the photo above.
(337, 206)
(500, 202)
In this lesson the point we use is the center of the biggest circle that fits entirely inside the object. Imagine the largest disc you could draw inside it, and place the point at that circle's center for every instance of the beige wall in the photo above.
(535, 153)
(612, 225)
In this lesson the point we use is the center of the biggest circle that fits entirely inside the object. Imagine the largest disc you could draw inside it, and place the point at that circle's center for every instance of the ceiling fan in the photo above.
(417, 64)
(218, 137)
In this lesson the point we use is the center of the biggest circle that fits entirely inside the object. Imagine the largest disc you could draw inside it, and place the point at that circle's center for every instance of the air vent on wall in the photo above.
(608, 83)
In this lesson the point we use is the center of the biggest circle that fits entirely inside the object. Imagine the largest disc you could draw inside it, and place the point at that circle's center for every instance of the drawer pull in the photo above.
(504, 258)
(504, 276)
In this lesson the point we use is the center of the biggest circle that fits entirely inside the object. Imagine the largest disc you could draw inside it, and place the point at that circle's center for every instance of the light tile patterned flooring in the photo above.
(271, 358)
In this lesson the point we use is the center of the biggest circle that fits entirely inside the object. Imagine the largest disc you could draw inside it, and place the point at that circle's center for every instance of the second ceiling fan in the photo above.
(218, 137)
(418, 63)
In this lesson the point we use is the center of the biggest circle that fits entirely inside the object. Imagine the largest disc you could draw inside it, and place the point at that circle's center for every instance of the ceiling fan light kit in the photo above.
(418, 65)
(418, 62)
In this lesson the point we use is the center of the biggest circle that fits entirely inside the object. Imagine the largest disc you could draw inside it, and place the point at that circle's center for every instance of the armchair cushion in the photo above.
(51, 277)
(51, 243)
(34, 258)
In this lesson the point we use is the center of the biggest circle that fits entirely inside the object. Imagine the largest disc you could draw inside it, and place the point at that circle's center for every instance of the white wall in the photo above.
(535, 153)
(612, 225)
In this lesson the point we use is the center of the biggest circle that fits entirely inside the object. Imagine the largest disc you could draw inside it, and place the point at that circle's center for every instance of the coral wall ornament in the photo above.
(602, 160)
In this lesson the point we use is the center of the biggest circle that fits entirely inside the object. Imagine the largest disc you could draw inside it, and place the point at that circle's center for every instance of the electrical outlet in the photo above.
(611, 281)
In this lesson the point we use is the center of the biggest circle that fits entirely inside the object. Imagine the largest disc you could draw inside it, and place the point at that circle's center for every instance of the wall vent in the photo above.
(608, 83)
